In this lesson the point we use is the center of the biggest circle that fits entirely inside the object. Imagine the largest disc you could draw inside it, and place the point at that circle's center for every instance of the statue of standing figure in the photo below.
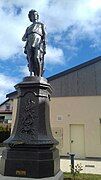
(35, 47)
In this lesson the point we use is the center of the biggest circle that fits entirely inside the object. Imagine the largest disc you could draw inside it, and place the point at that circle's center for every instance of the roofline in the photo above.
(5, 112)
(4, 102)
(80, 66)
(10, 95)
(75, 68)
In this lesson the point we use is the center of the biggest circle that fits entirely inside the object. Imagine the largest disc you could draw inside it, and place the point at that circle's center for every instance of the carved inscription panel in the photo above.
(28, 118)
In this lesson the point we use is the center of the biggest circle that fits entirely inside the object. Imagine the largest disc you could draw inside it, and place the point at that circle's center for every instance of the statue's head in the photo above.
(33, 15)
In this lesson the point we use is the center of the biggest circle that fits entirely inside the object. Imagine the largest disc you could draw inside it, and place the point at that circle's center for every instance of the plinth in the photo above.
(31, 148)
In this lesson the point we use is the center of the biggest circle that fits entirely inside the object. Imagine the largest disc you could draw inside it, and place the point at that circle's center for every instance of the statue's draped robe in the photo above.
(34, 47)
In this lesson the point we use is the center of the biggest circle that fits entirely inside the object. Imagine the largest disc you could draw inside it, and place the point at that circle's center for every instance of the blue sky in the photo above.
(73, 36)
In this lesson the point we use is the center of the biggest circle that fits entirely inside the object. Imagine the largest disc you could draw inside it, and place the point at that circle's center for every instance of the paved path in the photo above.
(88, 166)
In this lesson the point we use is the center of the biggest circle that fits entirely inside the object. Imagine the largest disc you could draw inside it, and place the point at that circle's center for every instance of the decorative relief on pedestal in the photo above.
(43, 93)
(28, 118)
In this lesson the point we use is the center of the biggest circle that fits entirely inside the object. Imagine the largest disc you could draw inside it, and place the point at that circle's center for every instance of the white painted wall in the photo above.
(84, 110)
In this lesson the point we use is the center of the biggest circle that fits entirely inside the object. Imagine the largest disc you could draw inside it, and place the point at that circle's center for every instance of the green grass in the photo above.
(81, 176)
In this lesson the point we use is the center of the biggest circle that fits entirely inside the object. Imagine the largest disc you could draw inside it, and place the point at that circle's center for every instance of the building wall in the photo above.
(77, 112)
(5, 112)
(4, 106)
(7, 117)
(14, 112)
(84, 81)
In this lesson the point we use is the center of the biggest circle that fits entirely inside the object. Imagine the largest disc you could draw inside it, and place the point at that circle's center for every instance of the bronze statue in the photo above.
(35, 47)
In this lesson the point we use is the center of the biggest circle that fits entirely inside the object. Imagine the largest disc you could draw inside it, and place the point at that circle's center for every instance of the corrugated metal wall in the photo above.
(85, 81)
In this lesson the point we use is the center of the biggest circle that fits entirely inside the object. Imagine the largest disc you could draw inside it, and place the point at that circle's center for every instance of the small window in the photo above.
(59, 117)
(7, 107)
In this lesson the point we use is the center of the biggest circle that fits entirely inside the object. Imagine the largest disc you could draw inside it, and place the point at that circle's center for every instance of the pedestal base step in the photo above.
(58, 176)
(30, 163)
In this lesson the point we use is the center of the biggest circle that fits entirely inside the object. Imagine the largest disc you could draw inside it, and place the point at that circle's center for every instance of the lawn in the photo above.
(80, 176)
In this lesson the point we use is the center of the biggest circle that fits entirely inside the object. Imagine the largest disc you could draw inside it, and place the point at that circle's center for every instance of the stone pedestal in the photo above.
(31, 148)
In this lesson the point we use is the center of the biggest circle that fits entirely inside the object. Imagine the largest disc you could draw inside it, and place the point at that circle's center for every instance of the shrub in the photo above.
(4, 132)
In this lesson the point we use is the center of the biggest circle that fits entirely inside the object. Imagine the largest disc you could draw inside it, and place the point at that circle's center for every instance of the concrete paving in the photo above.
(89, 166)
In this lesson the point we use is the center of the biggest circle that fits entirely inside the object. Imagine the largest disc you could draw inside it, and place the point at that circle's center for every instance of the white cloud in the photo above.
(24, 70)
(84, 16)
(2, 96)
(6, 86)
(54, 56)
